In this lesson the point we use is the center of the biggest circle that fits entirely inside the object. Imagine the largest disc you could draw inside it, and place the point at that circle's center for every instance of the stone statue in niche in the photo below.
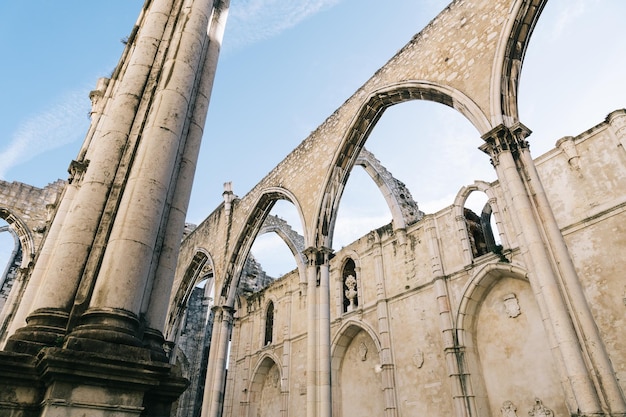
(363, 351)
(351, 291)
(540, 410)
(511, 305)
(508, 409)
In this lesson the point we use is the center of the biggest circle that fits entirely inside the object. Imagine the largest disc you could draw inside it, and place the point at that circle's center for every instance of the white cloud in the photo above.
(252, 21)
(568, 13)
(63, 123)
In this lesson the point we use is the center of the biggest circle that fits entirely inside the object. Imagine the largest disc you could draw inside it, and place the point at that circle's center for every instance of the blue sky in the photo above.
(286, 66)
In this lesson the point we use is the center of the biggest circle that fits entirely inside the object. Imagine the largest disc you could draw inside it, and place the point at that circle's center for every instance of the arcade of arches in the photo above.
(513, 308)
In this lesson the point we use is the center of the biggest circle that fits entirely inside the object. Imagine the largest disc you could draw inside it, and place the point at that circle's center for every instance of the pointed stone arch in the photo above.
(349, 331)
(361, 126)
(292, 239)
(493, 207)
(509, 59)
(267, 371)
(500, 331)
(249, 230)
(24, 235)
(404, 210)
(199, 266)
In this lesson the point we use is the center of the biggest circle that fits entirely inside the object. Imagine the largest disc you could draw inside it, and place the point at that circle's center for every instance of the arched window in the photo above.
(269, 324)
(350, 290)
(480, 227)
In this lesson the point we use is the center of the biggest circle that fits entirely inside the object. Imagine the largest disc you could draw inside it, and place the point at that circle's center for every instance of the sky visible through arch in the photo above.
(285, 67)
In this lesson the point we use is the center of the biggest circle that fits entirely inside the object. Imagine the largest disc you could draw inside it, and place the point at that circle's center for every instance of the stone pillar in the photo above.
(504, 149)
(312, 333)
(77, 170)
(140, 226)
(286, 356)
(78, 231)
(386, 354)
(572, 287)
(213, 399)
(325, 389)
(159, 296)
(105, 288)
(461, 390)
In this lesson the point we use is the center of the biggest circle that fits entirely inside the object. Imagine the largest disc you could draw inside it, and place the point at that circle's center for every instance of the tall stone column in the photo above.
(312, 332)
(160, 289)
(213, 399)
(464, 403)
(101, 299)
(572, 287)
(384, 327)
(62, 274)
(140, 226)
(504, 149)
(325, 389)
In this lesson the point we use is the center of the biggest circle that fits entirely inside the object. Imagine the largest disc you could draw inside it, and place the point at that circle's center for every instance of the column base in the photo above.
(44, 327)
(124, 381)
(110, 325)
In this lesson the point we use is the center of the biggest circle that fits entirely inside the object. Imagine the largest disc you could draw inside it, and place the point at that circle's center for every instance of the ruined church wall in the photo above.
(504, 349)
(592, 219)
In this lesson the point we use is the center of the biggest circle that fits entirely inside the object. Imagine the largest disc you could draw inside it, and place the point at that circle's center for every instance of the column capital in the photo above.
(77, 170)
(318, 256)
(505, 139)
(223, 313)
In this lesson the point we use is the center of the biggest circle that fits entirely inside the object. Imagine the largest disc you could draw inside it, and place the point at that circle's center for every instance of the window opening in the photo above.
(269, 324)
(350, 290)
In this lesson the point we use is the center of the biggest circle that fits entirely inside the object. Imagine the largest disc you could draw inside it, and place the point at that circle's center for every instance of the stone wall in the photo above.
(393, 348)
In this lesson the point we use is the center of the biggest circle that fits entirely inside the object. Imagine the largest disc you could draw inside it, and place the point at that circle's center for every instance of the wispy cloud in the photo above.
(568, 13)
(64, 122)
(252, 21)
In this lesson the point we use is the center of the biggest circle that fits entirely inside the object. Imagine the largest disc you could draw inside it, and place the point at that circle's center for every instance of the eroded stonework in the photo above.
(516, 309)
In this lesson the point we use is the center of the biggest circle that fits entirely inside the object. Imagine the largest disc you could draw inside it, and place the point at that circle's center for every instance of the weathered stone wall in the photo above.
(28, 210)
(507, 349)
(193, 351)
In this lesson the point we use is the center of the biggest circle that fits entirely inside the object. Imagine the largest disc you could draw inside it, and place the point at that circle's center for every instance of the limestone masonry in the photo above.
(113, 306)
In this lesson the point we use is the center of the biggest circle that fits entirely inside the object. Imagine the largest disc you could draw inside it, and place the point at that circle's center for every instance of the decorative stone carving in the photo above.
(351, 291)
(363, 351)
(418, 358)
(540, 410)
(511, 305)
(508, 409)
(77, 170)
(275, 378)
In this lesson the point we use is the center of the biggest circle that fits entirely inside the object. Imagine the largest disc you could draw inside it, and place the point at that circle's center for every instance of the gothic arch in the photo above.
(24, 235)
(292, 239)
(492, 202)
(261, 376)
(404, 210)
(361, 126)
(199, 266)
(269, 328)
(250, 229)
(344, 337)
(500, 330)
(509, 58)
(476, 289)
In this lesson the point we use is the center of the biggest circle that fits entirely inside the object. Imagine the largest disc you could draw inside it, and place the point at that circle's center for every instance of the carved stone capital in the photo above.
(77, 171)
(505, 139)
(318, 256)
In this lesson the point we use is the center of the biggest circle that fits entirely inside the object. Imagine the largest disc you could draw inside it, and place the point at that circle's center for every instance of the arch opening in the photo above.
(406, 139)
